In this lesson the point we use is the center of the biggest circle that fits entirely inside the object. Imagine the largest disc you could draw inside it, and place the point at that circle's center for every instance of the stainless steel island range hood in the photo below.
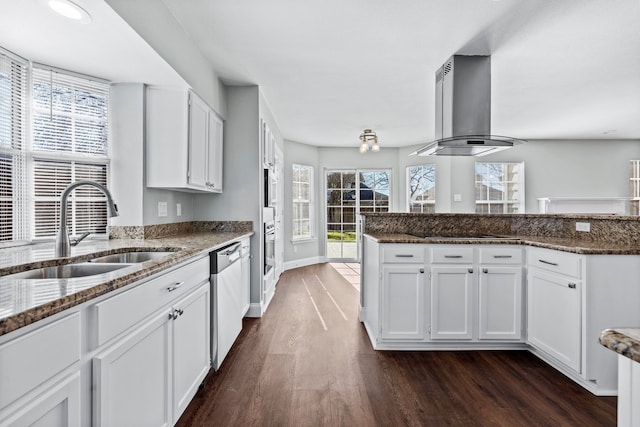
(463, 110)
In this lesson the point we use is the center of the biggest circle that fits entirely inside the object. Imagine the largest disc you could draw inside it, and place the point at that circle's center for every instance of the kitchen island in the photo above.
(476, 282)
(626, 343)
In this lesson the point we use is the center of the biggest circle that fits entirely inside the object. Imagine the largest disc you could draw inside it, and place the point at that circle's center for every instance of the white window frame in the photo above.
(428, 202)
(520, 202)
(296, 202)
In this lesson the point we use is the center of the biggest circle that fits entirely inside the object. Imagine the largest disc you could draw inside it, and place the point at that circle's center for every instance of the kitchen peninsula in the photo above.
(481, 281)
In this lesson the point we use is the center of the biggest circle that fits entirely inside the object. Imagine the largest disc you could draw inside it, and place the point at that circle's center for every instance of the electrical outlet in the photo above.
(583, 226)
(162, 208)
(178, 209)
(457, 197)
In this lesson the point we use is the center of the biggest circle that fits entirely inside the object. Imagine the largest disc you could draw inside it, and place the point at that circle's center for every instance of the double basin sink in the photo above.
(93, 267)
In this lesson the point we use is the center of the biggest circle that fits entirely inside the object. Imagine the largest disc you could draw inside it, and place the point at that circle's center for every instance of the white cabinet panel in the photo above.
(57, 406)
(191, 349)
(403, 302)
(29, 367)
(131, 378)
(198, 141)
(215, 153)
(500, 302)
(554, 316)
(451, 302)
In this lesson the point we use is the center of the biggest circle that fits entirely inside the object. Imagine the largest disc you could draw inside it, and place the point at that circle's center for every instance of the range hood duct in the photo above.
(463, 110)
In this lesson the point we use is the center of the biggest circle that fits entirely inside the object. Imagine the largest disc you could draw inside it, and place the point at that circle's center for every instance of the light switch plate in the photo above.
(583, 226)
(162, 208)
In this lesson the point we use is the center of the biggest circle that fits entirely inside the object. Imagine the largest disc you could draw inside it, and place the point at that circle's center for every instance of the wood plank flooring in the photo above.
(286, 369)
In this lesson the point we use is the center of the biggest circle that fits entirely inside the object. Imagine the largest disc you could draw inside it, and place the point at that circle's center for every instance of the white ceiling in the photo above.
(566, 69)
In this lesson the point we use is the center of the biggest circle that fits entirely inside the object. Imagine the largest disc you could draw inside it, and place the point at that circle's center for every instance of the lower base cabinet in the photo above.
(402, 315)
(149, 377)
(57, 406)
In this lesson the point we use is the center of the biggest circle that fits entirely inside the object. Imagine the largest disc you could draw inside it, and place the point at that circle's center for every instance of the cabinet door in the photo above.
(214, 153)
(500, 303)
(198, 141)
(554, 316)
(451, 302)
(58, 405)
(191, 350)
(131, 379)
(402, 314)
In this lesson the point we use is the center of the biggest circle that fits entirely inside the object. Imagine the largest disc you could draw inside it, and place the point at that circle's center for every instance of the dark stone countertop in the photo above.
(17, 311)
(624, 341)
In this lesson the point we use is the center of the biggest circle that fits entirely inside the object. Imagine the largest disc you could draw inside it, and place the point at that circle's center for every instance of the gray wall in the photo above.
(591, 168)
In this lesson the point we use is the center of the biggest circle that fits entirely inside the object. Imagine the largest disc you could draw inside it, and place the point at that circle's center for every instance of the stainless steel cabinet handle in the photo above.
(422, 270)
(180, 312)
(470, 270)
(548, 262)
(404, 256)
(453, 256)
(572, 285)
(173, 315)
(175, 286)
(484, 270)
(503, 256)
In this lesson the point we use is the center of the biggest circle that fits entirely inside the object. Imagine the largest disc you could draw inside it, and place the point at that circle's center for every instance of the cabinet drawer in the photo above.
(122, 311)
(556, 261)
(452, 255)
(500, 255)
(405, 254)
(33, 358)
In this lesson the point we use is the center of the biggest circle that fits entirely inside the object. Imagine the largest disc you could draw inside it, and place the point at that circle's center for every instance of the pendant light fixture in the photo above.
(368, 141)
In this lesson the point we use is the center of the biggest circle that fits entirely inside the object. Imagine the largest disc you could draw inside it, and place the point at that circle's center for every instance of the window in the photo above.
(67, 121)
(634, 188)
(499, 187)
(70, 130)
(13, 123)
(421, 188)
(302, 202)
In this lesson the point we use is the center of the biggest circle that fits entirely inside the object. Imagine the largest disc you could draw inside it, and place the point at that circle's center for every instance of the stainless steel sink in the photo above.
(131, 257)
(68, 271)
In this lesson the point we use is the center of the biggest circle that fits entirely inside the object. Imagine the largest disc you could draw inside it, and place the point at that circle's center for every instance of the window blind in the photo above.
(70, 143)
(14, 221)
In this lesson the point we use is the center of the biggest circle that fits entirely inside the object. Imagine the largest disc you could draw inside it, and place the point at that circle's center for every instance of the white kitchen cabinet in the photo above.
(57, 405)
(183, 142)
(500, 295)
(402, 314)
(555, 310)
(452, 302)
(132, 378)
(499, 302)
(152, 346)
(191, 347)
(268, 146)
(245, 255)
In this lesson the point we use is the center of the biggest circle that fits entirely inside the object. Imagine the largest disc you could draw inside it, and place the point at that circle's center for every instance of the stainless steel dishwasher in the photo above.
(226, 301)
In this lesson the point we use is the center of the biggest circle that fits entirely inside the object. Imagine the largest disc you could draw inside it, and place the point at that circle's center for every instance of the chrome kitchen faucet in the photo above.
(63, 244)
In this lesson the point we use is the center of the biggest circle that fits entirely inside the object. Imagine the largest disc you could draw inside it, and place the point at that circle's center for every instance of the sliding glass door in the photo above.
(350, 192)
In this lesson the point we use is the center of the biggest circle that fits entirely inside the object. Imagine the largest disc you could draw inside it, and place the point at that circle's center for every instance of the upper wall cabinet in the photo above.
(183, 143)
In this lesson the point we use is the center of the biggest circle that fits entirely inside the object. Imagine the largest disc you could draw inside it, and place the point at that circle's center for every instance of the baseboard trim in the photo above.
(255, 310)
(289, 265)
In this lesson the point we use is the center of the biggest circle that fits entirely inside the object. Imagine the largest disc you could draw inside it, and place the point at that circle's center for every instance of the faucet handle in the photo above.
(77, 240)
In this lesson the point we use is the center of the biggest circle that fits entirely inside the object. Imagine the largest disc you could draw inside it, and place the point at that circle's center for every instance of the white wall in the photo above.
(146, 17)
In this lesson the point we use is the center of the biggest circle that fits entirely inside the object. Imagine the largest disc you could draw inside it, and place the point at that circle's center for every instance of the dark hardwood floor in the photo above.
(291, 369)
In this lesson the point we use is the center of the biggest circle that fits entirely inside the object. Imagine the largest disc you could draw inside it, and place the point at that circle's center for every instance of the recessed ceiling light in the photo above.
(70, 10)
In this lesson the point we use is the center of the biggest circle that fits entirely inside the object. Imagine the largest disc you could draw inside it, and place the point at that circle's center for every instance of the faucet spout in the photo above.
(63, 244)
